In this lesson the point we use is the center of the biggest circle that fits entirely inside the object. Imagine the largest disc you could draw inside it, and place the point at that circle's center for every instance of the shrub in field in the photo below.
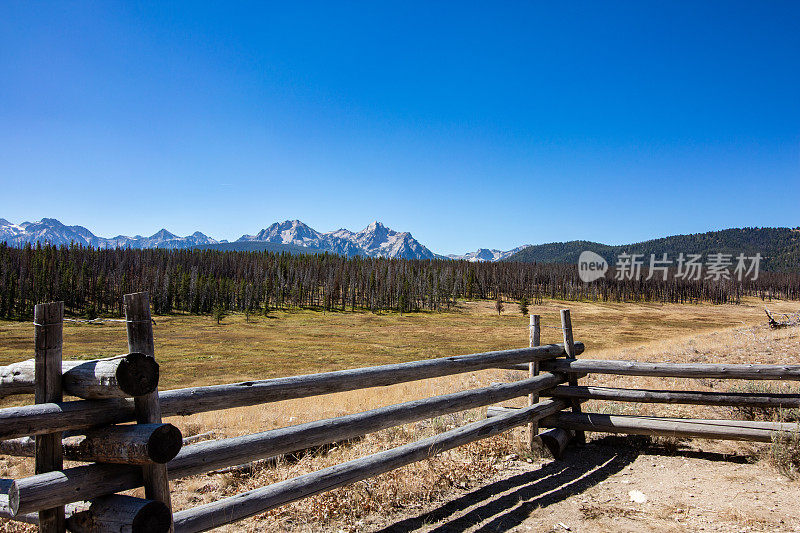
(763, 413)
(785, 453)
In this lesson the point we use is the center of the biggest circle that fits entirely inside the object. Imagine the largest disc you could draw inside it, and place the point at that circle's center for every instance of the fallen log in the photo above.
(122, 376)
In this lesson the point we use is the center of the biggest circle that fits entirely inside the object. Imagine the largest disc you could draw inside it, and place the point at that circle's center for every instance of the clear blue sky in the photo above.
(468, 124)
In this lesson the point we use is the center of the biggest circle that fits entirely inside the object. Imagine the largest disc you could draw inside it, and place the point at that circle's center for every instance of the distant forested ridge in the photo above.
(92, 281)
(779, 247)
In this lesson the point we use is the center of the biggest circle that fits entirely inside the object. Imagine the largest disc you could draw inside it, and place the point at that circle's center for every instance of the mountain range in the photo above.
(779, 247)
(376, 240)
(54, 232)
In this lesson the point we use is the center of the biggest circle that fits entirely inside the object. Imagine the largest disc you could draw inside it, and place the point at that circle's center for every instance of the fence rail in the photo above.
(122, 389)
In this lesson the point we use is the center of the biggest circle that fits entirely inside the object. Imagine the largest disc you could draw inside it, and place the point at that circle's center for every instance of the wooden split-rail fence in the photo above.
(118, 455)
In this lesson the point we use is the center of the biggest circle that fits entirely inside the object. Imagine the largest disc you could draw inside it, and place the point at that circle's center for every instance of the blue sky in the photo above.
(468, 124)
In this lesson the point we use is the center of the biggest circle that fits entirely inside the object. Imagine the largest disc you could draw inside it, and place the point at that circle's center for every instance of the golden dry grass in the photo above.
(197, 351)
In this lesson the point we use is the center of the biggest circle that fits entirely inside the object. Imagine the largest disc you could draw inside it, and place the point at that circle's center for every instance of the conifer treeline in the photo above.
(196, 281)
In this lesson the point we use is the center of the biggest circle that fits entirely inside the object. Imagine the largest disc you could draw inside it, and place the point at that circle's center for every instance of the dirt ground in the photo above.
(590, 491)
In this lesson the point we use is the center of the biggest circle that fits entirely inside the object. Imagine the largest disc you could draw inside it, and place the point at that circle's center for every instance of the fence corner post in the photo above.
(48, 322)
(569, 347)
(148, 410)
(533, 370)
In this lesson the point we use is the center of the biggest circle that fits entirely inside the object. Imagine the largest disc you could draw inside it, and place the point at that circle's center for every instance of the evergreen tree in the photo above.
(523, 306)
(219, 313)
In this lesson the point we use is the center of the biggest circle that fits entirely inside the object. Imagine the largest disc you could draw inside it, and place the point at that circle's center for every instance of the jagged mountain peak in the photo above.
(375, 225)
(163, 234)
(53, 231)
(375, 240)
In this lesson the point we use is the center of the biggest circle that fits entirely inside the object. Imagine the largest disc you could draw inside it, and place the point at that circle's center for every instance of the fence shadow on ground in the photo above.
(504, 504)
(507, 503)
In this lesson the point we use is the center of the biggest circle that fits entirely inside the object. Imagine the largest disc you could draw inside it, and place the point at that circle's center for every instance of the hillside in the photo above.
(779, 247)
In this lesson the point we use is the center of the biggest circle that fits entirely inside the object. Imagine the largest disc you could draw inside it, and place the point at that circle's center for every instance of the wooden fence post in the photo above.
(569, 347)
(533, 370)
(148, 410)
(48, 322)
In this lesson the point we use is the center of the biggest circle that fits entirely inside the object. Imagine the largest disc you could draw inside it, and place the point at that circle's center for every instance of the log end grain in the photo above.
(138, 374)
(122, 513)
(164, 444)
(155, 517)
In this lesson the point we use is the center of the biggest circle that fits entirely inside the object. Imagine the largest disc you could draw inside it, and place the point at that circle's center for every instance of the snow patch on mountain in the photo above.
(485, 254)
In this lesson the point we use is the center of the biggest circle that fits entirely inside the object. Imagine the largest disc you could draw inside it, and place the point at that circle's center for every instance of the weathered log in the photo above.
(22, 447)
(5, 512)
(148, 409)
(32, 518)
(668, 427)
(201, 399)
(534, 339)
(243, 505)
(48, 320)
(122, 376)
(191, 439)
(569, 347)
(17, 378)
(63, 416)
(46, 418)
(674, 370)
(138, 444)
(71, 484)
(556, 441)
(122, 514)
(517, 366)
(77, 482)
(114, 513)
(497, 410)
(216, 454)
(734, 399)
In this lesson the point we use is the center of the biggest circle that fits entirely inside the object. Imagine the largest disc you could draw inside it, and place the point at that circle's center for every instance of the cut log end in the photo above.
(155, 517)
(164, 444)
(138, 374)
(122, 513)
(556, 440)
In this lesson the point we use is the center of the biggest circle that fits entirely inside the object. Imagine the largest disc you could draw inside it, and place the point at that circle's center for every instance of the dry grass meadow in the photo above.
(197, 351)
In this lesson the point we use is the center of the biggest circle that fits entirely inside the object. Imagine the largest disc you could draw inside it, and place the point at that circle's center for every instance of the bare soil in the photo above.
(590, 491)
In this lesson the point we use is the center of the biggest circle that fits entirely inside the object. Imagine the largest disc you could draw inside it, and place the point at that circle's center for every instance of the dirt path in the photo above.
(590, 491)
